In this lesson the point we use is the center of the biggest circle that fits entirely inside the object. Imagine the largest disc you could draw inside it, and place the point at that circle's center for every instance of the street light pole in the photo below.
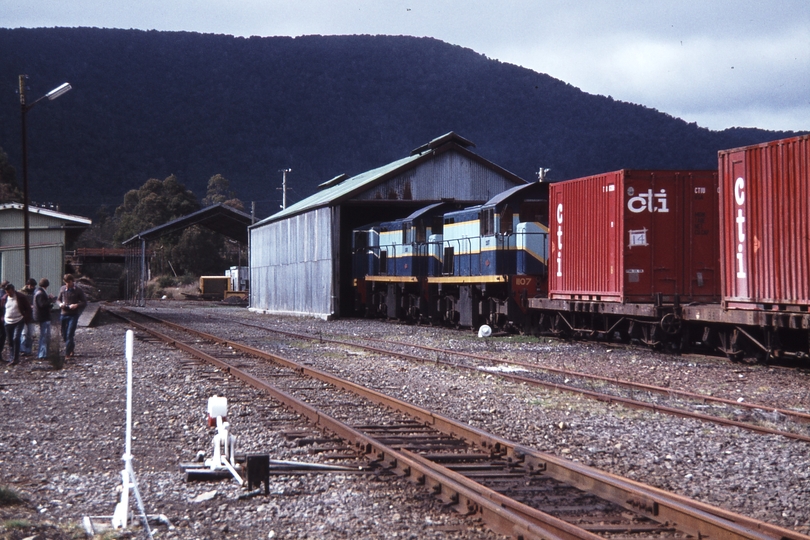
(24, 108)
(284, 188)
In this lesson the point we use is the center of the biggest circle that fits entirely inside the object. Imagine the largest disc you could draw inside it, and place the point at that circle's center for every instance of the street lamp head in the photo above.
(24, 108)
(58, 91)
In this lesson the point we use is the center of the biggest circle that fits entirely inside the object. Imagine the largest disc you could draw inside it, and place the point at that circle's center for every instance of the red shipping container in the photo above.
(765, 237)
(630, 235)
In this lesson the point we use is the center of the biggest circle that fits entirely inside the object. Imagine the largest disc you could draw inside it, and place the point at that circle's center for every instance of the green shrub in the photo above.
(167, 281)
(153, 291)
(8, 496)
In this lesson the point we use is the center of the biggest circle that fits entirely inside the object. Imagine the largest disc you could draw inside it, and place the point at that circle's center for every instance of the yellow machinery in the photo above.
(214, 287)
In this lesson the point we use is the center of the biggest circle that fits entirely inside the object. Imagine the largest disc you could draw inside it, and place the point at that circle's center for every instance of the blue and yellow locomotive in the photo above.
(462, 267)
(392, 260)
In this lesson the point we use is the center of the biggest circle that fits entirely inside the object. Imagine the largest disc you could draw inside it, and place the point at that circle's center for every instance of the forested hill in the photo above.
(150, 104)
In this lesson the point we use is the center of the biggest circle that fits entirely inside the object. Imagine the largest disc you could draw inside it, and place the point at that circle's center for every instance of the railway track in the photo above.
(756, 417)
(517, 490)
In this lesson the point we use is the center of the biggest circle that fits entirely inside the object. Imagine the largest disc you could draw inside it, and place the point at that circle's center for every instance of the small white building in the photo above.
(300, 258)
(49, 232)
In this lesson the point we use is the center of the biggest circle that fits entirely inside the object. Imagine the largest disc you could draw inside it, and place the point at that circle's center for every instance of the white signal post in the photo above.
(119, 519)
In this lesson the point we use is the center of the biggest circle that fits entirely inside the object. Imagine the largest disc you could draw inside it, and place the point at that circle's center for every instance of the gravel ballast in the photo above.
(63, 431)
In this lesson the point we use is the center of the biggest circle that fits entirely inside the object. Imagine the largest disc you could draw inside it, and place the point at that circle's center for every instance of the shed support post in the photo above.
(142, 292)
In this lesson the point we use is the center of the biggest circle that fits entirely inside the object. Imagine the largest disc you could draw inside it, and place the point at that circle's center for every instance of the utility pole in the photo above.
(24, 108)
(284, 188)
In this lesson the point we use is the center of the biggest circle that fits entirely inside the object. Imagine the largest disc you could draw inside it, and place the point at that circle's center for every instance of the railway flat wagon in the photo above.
(765, 238)
(764, 253)
(628, 249)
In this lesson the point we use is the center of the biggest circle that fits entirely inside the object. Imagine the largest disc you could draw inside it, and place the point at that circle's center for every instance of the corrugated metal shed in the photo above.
(300, 258)
(294, 277)
(49, 232)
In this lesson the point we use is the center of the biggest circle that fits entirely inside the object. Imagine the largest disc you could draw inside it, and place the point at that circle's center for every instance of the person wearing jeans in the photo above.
(42, 316)
(28, 328)
(71, 302)
(17, 314)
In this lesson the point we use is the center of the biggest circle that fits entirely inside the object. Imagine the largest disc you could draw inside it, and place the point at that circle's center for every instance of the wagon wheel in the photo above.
(671, 324)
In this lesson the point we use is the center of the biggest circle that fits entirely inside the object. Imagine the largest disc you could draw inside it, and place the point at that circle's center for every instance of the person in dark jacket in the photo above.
(43, 302)
(71, 302)
(17, 309)
(28, 329)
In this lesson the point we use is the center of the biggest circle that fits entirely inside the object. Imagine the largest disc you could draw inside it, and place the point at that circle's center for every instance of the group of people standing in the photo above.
(23, 310)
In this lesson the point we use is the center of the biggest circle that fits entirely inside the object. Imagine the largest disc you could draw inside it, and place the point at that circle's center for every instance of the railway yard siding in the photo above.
(65, 455)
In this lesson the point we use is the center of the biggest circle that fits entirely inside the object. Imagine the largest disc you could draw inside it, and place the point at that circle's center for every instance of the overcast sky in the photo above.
(719, 63)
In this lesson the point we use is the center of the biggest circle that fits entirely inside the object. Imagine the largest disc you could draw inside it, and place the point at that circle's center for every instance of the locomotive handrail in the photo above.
(463, 250)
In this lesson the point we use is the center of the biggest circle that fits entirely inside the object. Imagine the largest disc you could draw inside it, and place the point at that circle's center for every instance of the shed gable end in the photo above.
(448, 175)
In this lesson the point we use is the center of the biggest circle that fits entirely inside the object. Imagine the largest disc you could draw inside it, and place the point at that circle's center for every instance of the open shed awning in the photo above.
(218, 218)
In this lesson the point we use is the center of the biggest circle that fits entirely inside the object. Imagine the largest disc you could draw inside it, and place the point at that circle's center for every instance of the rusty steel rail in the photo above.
(608, 398)
(504, 516)
(796, 415)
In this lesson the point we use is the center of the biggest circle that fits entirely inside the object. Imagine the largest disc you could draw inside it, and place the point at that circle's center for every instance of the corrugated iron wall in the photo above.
(47, 248)
(292, 263)
(449, 176)
(47, 261)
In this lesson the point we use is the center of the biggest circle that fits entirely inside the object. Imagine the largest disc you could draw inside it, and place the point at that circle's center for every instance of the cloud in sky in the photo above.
(721, 63)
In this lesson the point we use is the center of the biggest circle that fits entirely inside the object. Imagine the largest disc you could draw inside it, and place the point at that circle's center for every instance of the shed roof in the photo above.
(219, 218)
(73, 220)
(535, 188)
(342, 188)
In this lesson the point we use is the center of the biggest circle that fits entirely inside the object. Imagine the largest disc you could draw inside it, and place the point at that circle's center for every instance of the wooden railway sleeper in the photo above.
(644, 505)
(472, 508)
(691, 517)
(452, 499)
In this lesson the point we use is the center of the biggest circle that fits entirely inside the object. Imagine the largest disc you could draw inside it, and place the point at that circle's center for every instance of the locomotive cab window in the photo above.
(360, 239)
(534, 211)
(406, 233)
(420, 233)
(487, 220)
(506, 220)
(436, 226)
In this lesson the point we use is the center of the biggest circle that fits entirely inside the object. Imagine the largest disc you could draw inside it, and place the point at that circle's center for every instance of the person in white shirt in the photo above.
(17, 313)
